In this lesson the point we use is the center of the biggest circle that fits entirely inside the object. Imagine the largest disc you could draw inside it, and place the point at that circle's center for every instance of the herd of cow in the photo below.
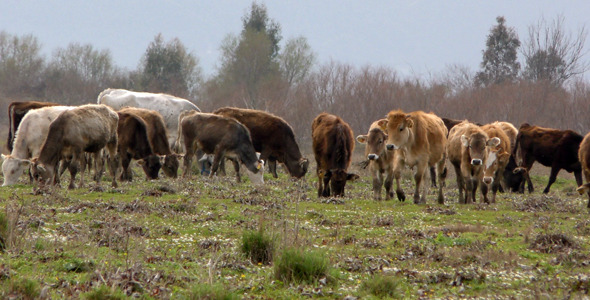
(158, 130)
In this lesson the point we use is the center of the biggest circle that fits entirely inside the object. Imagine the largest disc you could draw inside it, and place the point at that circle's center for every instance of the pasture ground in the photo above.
(172, 238)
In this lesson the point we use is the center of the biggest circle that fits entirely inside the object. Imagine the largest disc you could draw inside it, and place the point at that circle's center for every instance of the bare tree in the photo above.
(552, 54)
(21, 65)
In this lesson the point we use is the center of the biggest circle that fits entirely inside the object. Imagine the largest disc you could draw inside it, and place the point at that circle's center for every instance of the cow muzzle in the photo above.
(476, 162)
(391, 147)
(488, 180)
(373, 157)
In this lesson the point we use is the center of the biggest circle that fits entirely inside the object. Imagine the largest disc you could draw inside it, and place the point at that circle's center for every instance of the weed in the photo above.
(3, 231)
(258, 247)
(211, 292)
(104, 292)
(295, 265)
(552, 243)
(381, 286)
(21, 288)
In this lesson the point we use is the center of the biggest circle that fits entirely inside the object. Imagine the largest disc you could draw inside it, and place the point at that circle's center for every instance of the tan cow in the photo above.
(419, 140)
(584, 157)
(380, 160)
(498, 156)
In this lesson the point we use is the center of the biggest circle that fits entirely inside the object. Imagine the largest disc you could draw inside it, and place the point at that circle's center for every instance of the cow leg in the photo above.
(114, 161)
(460, 183)
(188, 158)
(578, 176)
(418, 177)
(469, 194)
(442, 177)
(377, 182)
(222, 168)
(388, 185)
(272, 168)
(98, 164)
(397, 174)
(552, 178)
(126, 174)
(73, 168)
(326, 192)
(217, 158)
(484, 191)
(433, 176)
(236, 164)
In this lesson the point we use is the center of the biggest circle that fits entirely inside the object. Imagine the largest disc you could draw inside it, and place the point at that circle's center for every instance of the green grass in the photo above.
(173, 238)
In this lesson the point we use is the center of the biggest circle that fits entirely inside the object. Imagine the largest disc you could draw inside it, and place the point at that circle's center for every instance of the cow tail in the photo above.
(516, 152)
(177, 147)
(11, 127)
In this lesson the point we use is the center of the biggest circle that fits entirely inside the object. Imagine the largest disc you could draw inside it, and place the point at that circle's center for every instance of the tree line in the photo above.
(258, 70)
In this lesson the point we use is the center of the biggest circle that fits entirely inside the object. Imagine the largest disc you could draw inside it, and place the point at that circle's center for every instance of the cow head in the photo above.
(475, 146)
(13, 168)
(151, 166)
(375, 141)
(42, 173)
(170, 164)
(258, 177)
(338, 179)
(399, 126)
(497, 158)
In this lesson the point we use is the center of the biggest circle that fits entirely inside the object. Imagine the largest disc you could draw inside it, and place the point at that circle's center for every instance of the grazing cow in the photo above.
(273, 137)
(333, 143)
(220, 136)
(156, 130)
(514, 176)
(16, 112)
(380, 160)
(29, 137)
(498, 156)
(168, 106)
(134, 144)
(466, 150)
(86, 128)
(584, 157)
(419, 140)
(553, 148)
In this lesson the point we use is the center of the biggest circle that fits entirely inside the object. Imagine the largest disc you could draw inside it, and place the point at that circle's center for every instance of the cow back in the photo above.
(16, 112)
(155, 126)
(333, 142)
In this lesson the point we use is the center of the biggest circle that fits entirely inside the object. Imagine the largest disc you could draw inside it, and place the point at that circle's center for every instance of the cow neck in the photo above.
(52, 147)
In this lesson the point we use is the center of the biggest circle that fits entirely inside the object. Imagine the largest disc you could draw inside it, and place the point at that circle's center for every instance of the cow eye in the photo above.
(401, 129)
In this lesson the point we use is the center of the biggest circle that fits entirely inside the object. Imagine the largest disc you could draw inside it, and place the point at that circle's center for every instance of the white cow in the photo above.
(30, 135)
(168, 106)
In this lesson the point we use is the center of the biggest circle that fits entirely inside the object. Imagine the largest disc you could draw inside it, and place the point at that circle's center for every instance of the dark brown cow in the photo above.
(135, 144)
(380, 160)
(584, 157)
(16, 112)
(220, 136)
(272, 137)
(87, 128)
(553, 148)
(333, 143)
(156, 130)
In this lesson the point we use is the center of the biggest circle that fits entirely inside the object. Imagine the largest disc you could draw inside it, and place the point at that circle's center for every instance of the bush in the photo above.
(104, 292)
(258, 247)
(211, 292)
(381, 286)
(298, 265)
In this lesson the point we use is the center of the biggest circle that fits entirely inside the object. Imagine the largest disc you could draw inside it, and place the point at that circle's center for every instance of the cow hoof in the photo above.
(401, 196)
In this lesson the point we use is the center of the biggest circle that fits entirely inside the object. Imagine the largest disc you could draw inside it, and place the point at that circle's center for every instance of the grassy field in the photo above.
(184, 239)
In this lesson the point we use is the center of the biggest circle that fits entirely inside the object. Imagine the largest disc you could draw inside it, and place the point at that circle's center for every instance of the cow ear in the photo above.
(494, 142)
(464, 141)
(257, 155)
(382, 124)
(4, 157)
(352, 176)
(504, 156)
(141, 162)
(361, 139)
(24, 162)
(409, 121)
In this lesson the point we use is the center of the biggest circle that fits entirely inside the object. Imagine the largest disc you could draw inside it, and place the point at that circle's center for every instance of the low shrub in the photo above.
(211, 292)
(104, 292)
(381, 286)
(258, 247)
(299, 265)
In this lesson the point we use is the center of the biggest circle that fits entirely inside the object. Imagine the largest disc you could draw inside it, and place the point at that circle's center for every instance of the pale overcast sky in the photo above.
(412, 37)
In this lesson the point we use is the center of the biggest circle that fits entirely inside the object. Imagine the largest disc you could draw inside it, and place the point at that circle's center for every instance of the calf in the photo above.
(553, 148)
(419, 140)
(466, 150)
(584, 157)
(273, 137)
(380, 160)
(333, 144)
(87, 128)
(16, 112)
(220, 136)
(29, 137)
(497, 157)
(135, 144)
(156, 131)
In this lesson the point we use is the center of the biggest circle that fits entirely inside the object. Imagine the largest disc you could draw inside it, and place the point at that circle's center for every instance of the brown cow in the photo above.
(380, 160)
(156, 130)
(498, 156)
(419, 139)
(16, 112)
(584, 157)
(220, 136)
(553, 148)
(87, 128)
(466, 150)
(273, 137)
(135, 144)
(333, 143)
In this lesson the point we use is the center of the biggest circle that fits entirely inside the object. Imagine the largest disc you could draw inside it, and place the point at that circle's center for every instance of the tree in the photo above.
(500, 57)
(21, 65)
(169, 68)
(553, 55)
(296, 60)
(258, 21)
